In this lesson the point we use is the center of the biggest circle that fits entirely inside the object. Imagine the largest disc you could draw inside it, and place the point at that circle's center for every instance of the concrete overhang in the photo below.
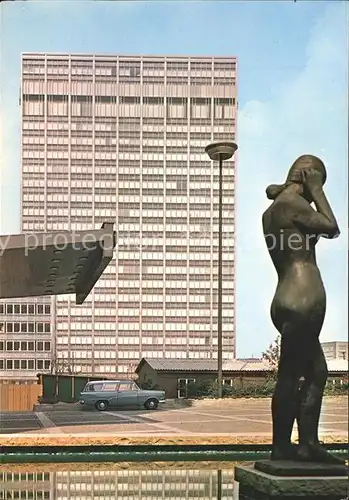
(68, 262)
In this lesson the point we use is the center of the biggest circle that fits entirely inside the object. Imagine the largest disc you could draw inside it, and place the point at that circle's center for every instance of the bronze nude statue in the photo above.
(292, 228)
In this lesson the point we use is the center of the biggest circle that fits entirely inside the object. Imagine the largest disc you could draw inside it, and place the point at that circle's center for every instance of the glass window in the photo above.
(2, 327)
(23, 346)
(24, 327)
(47, 364)
(9, 327)
(16, 327)
(31, 309)
(31, 327)
(47, 327)
(31, 346)
(16, 346)
(93, 387)
(125, 386)
(16, 364)
(9, 308)
(16, 309)
(47, 309)
(2, 308)
(2, 345)
(24, 309)
(9, 346)
(40, 327)
(9, 364)
(23, 364)
(47, 346)
(40, 346)
(110, 386)
(40, 309)
(40, 364)
(31, 364)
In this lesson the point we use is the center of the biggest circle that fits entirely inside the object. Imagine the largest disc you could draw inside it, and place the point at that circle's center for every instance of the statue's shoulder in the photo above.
(281, 211)
(277, 204)
(288, 201)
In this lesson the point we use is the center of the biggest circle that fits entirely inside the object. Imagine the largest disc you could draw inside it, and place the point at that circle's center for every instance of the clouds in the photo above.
(307, 114)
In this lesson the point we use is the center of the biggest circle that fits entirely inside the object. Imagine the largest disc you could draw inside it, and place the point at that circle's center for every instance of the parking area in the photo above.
(239, 417)
(11, 422)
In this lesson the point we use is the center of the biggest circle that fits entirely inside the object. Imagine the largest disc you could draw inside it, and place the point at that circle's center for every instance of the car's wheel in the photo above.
(102, 405)
(151, 404)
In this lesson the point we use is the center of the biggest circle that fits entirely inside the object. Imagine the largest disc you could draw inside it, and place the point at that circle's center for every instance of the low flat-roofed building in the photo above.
(175, 375)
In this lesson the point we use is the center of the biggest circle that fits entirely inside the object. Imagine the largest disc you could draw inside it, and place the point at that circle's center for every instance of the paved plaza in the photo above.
(214, 418)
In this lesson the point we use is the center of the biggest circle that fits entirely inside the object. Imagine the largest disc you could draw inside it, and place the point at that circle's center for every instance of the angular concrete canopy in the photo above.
(54, 263)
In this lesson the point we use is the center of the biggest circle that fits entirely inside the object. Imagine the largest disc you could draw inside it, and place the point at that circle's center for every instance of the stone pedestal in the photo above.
(272, 480)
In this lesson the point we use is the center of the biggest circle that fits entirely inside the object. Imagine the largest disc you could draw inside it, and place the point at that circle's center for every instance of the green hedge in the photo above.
(209, 389)
(336, 389)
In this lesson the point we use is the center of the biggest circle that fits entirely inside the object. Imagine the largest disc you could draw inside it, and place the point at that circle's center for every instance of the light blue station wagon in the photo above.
(105, 394)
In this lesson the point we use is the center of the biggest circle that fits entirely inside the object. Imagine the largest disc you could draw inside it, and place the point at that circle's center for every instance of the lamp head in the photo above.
(221, 150)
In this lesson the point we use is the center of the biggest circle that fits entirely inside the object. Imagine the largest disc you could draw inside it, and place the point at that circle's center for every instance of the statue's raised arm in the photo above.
(321, 222)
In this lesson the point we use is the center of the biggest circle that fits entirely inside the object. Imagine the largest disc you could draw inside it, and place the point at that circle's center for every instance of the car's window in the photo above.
(93, 387)
(126, 386)
(97, 387)
(112, 386)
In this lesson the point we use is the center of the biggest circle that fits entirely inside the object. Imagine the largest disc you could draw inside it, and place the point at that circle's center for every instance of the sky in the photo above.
(293, 99)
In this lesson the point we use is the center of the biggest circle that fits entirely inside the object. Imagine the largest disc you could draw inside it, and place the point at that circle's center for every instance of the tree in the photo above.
(272, 355)
(60, 366)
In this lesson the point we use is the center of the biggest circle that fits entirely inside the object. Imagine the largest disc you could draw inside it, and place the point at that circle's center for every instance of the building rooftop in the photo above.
(204, 365)
(211, 365)
(163, 364)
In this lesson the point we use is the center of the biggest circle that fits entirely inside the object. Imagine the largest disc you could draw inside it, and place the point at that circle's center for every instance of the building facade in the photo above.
(114, 138)
(26, 339)
(335, 350)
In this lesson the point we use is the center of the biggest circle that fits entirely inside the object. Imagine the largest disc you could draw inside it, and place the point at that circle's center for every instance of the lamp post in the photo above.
(220, 151)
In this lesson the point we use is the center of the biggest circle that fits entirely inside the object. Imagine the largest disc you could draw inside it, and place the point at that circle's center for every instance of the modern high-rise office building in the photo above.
(122, 138)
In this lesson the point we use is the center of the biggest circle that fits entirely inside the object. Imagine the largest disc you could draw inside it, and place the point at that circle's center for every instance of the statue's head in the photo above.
(295, 176)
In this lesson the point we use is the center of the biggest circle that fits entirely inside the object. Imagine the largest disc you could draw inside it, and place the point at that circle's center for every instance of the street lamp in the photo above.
(220, 151)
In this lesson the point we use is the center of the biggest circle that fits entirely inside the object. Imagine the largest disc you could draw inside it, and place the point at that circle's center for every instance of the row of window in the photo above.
(25, 308)
(25, 476)
(82, 106)
(127, 72)
(23, 327)
(25, 364)
(174, 165)
(172, 63)
(57, 143)
(59, 76)
(150, 71)
(136, 341)
(104, 126)
(11, 345)
(26, 494)
(105, 84)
